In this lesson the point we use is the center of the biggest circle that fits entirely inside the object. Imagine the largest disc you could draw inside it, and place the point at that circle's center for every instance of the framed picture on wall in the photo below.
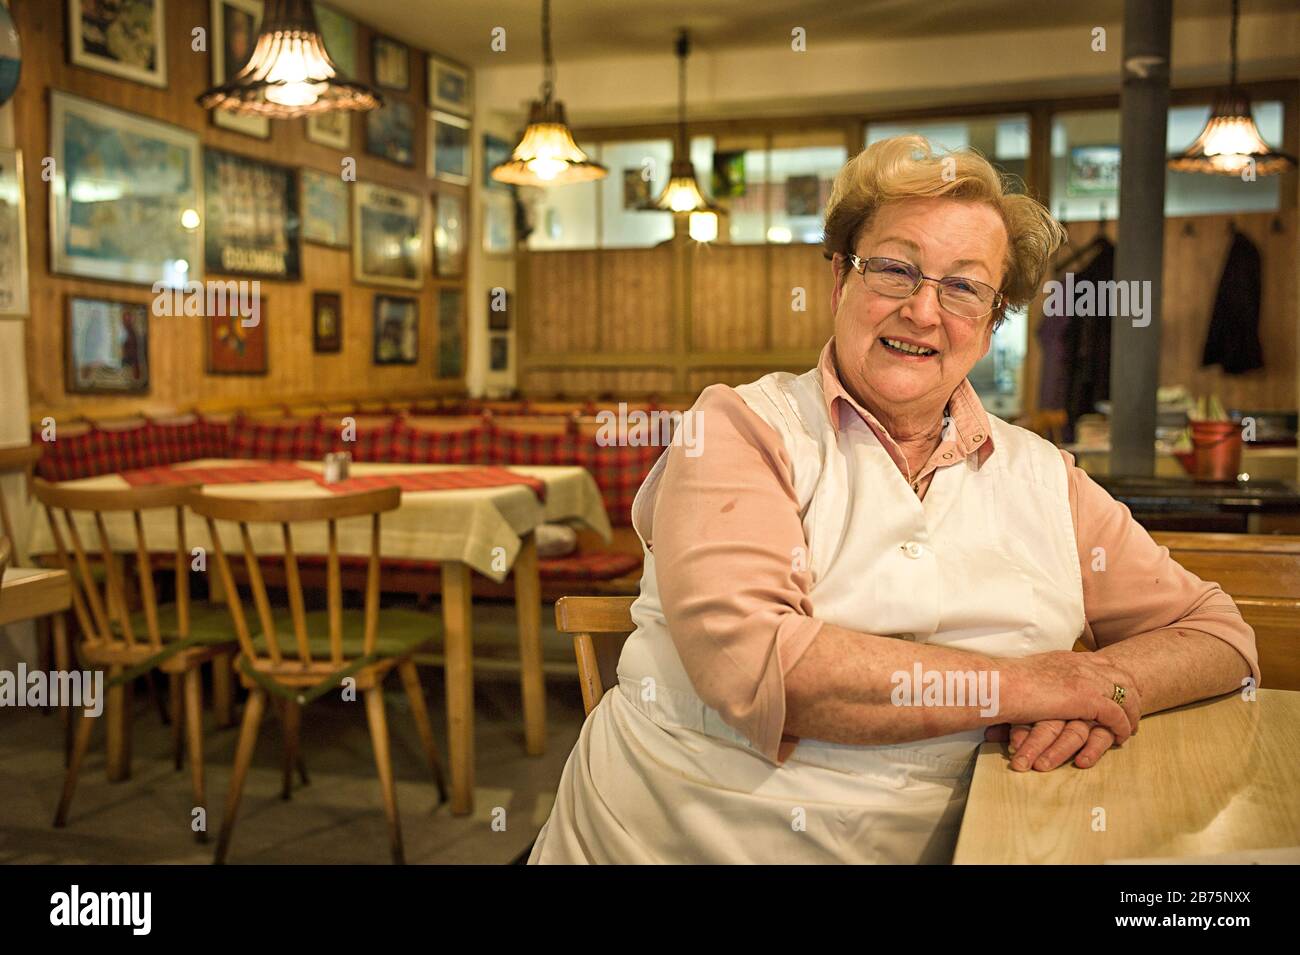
(326, 322)
(339, 32)
(235, 345)
(252, 216)
(392, 63)
(451, 309)
(234, 31)
(126, 38)
(13, 234)
(325, 219)
(106, 347)
(498, 310)
(125, 203)
(499, 353)
(449, 87)
(397, 330)
(449, 148)
(387, 236)
(498, 222)
(495, 151)
(330, 129)
(449, 235)
(1093, 171)
(390, 132)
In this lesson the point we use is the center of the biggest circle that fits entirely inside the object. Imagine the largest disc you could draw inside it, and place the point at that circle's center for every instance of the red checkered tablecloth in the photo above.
(459, 480)
(225, 474)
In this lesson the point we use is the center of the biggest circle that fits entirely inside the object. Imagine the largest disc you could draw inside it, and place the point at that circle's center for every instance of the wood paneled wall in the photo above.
(1196, 248)
(669, 320)
(177, 345)
(679, 317)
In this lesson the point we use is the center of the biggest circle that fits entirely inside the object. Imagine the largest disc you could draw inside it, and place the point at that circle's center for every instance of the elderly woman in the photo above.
(850, 540)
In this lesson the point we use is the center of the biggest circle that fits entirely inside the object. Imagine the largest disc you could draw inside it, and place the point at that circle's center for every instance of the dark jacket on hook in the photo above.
(1233, 339)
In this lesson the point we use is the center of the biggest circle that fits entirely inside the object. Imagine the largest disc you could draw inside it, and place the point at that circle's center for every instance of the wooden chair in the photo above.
(176, 639)
(18, 460)
(1261, 572)
(600, 626)
(326, 646)
(5, 551)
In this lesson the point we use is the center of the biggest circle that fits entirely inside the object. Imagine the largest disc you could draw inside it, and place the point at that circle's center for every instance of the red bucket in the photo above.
(1216, 454)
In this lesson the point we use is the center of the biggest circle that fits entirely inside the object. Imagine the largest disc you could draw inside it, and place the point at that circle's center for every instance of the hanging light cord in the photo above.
(683, 50)
(1232, 75)
(548, 69)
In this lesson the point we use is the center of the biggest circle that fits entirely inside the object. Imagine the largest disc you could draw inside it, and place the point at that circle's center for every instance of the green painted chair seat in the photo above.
(209, 624)
(399, 632)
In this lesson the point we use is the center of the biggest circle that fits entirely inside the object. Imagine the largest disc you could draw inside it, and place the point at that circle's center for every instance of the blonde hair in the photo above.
(907, 167)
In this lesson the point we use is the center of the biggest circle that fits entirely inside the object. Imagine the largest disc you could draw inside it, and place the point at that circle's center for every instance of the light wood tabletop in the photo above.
(27, 593)
(1214, 777)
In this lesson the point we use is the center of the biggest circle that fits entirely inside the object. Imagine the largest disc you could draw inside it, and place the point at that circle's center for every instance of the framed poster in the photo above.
(449, 87)
(449, 148)
(326, 322)
(340, 35)
(451, 362)
(495, 151)
(1093, 171)
(387, 236)
(390, 132)
(13, 234)
(636, 189)
(234, 347)
(125, 196)
(252, 216)
(397, 330)
(449, 235)
(234, 31)
(331, 129)
(499, 353)
(106, 347)
(803, 196)
(392, 61)
(498, 222)
(125, 38)
(498, 310)
(325, 209)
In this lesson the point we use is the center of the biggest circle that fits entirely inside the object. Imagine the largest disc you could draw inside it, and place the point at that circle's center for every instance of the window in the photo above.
(605, 213)
(1086, 157)
(773, 187)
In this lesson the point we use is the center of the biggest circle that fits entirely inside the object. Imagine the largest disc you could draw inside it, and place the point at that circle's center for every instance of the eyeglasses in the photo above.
(894, 279)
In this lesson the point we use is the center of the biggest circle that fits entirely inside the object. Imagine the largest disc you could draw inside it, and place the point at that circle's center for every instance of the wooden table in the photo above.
(1210, 778)
(30, 593)
(489, 530)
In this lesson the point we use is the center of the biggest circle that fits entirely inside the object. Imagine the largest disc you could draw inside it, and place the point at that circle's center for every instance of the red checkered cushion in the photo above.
(619, 471)
(72, 456)
(594, 565)
(370, 442)
(509, 446)
(289, 439)
(416, 445)
(172, 443)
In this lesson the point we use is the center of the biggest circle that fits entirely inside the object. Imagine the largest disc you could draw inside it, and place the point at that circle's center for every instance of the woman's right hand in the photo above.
(1071, 686)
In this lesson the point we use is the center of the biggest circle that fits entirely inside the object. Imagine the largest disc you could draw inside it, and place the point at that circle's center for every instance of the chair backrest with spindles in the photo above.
(18, 460)
(213, 506)
(85, 508)
(600, 626)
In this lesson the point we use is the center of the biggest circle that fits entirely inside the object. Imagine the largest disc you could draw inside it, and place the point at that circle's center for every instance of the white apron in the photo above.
(986, 563)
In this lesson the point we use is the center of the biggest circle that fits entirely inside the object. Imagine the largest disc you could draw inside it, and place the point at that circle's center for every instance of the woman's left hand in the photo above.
(1050, 743)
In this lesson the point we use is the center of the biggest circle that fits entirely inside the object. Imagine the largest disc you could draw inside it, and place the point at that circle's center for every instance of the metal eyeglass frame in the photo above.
(860, 266)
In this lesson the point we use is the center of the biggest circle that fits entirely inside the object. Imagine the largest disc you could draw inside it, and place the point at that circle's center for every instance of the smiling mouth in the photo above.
(906, 348)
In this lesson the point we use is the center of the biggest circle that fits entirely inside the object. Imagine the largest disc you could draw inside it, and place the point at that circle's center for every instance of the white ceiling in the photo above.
(581, 29)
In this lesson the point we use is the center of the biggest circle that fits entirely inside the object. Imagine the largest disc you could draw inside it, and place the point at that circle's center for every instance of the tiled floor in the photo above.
(337, 818)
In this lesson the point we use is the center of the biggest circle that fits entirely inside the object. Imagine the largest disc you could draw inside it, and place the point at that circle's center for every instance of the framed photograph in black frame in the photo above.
(397, 330)
(392, 63)
(252, 224)
(326, 322)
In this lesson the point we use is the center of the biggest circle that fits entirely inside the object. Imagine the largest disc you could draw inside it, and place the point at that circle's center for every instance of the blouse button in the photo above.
(978, 438)
(947, 455)
(913, 550)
